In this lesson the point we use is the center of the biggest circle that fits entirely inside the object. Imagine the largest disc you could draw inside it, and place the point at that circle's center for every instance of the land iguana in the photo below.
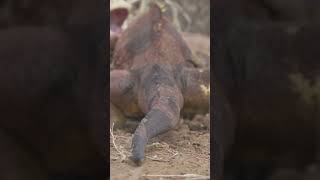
(153, 77)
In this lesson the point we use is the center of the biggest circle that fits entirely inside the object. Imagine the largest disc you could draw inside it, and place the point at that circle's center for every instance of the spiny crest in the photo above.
(143, 31)
(161, 4)
(151, 31)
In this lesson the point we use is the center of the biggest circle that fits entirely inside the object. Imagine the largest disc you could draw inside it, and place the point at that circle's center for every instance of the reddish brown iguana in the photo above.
(153, 77)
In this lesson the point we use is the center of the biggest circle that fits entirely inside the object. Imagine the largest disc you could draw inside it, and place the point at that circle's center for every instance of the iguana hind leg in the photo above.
(123, 96)
(195, 85)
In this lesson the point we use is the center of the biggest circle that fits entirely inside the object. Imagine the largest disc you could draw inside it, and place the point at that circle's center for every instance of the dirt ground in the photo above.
(182, 153)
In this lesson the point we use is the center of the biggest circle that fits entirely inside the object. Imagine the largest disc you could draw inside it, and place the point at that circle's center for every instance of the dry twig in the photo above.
(164, 146)
(123, 156)
(186, 176)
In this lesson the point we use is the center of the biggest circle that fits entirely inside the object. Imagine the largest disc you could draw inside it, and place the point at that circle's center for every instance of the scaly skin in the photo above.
(153, 77)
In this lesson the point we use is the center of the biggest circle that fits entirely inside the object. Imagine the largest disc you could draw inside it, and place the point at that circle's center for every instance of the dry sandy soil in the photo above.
(181, 153)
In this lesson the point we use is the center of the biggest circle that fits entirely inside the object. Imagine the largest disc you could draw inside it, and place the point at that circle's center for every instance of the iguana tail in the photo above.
(161, 99)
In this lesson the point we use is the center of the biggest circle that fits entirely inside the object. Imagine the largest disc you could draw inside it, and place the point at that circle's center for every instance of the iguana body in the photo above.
(154, 78)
